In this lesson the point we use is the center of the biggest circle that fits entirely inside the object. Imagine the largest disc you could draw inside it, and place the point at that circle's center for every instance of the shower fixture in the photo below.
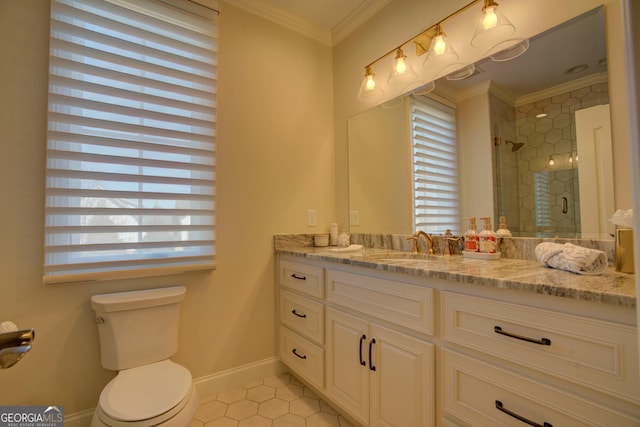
(515, 146)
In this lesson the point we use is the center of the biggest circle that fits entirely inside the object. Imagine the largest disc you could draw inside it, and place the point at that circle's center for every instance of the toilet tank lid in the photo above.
(132, 300)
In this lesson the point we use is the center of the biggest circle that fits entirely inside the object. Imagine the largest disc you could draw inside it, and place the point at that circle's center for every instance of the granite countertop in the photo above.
(610, 287)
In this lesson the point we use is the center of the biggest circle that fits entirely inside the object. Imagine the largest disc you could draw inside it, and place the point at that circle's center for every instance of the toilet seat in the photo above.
(146, 395)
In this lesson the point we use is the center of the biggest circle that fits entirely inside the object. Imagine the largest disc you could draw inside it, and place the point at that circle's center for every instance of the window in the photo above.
(130, 174)
(435, 169)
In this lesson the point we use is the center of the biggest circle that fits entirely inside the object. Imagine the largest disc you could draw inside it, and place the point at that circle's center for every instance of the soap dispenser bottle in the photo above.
(487, 237)
(503, 231)
(471, 238)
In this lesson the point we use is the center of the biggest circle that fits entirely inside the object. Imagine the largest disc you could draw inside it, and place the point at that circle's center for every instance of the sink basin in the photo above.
(398, 257)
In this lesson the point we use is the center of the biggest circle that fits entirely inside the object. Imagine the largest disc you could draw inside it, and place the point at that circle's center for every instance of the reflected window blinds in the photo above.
(435, 166)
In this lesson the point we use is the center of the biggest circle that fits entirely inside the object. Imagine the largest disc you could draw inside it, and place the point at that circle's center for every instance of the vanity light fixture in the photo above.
(494, 27)
(494, 31)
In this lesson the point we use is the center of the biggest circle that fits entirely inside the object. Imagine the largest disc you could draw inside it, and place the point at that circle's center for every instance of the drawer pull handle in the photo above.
(298, 314)
(371, 343)
(541, 341)
(362, 362)
(301, 356)
(295, 276)
(501, 408)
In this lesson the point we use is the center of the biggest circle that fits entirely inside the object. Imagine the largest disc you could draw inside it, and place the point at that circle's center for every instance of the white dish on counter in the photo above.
(350, 248)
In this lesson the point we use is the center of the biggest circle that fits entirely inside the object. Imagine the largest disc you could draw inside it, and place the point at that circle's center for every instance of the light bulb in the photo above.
(370, 83)
(552, 162)
(490, 18)
(401, 65)
(439, 45)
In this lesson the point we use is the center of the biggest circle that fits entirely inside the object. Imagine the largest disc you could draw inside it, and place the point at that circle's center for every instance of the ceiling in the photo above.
(328, 21)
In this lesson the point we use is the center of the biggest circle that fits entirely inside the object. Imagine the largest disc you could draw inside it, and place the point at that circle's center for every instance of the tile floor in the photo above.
(280, 401)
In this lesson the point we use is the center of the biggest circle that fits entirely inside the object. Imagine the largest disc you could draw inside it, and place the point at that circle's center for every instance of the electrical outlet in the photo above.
(312, 217)
(355, 218)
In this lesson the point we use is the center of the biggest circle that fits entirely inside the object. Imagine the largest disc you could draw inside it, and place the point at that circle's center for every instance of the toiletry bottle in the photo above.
(333, 234)
(471, 238)
(487, 237)
(503, 231)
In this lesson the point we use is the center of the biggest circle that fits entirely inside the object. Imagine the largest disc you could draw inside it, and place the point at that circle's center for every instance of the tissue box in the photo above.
(624, 250)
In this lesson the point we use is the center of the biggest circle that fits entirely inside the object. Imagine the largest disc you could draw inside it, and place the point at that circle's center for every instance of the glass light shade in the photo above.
(508, 50)
(494, 27)
(424, 89)
(441, 53)
(369, 89)
(402, 73)
(462, 73)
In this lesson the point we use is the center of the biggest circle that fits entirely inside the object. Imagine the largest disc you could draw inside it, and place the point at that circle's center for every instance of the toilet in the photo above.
(138, 333)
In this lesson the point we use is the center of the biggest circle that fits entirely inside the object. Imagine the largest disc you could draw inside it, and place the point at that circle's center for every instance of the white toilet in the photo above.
(138, 333)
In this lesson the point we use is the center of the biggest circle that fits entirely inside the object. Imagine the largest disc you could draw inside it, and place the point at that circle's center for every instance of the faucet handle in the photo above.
(447, 245)
(415, 243)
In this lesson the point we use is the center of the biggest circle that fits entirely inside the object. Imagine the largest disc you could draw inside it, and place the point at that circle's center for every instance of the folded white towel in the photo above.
(572, 258)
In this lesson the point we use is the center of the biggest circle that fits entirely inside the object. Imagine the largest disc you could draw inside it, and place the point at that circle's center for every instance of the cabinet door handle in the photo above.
(362, 362)
(371, 343)
(301, 356)
(501, 408)
(295, 276)
(541, 341)
(298, 314)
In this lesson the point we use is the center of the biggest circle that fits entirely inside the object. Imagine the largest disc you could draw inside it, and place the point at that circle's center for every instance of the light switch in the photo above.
(312, 217)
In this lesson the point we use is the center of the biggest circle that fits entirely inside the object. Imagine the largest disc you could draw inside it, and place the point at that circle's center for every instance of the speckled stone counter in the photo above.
(518, 274)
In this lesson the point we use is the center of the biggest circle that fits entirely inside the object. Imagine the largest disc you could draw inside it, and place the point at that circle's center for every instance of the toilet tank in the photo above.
(137, 327)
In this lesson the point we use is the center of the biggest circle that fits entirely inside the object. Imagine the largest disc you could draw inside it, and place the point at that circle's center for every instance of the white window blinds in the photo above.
(435, 166)
(130, 174)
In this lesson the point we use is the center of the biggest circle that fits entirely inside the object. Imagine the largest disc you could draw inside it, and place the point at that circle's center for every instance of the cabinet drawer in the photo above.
(302, 357)
(302, 315)
(594, 353)
(397, 302)
(302, 277)
(484, 395)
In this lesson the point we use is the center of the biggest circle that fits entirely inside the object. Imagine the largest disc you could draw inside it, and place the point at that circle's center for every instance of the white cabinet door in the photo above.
(347, 379)
(381, 376)
(402, 384)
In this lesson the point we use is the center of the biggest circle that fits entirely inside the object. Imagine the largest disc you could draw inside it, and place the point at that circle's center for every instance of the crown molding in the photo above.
(292, 22)
(356, 18)
(596, 78)
(326, 36)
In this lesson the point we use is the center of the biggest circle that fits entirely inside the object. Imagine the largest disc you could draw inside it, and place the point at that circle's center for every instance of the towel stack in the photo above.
(572, 258)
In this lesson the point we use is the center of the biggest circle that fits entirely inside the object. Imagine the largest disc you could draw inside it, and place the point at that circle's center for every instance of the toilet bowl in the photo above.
(138, 333)
(158, 394)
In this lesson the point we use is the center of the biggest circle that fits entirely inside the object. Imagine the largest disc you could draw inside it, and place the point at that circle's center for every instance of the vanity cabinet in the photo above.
(596, 355)
(301, 309)
(484, 395)
(383, 377)
(390, 349)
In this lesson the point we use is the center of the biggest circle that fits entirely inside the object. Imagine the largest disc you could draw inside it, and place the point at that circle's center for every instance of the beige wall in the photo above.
(274, 161)
(400, 20)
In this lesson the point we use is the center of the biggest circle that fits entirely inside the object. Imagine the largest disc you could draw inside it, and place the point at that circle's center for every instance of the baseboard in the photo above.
(79, 419)
(208, 386)
(216, 383)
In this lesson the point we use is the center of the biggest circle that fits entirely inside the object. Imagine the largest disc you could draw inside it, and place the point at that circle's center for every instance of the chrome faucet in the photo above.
(416, 239)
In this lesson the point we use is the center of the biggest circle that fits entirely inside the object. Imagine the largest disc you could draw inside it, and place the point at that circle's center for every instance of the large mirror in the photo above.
(549, 147)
